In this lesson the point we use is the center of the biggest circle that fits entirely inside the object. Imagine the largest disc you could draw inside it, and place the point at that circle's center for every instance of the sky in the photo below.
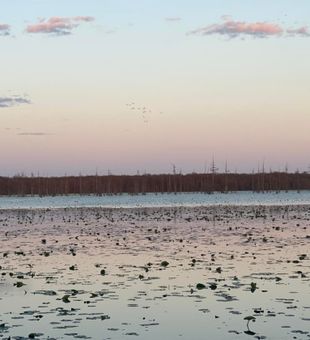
(123, 86)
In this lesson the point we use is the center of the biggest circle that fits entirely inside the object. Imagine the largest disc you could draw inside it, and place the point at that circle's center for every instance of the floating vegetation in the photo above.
(213, 286)
(65, 298)
(248, 319)
(200, 286)
(153, 257)
(253, 287)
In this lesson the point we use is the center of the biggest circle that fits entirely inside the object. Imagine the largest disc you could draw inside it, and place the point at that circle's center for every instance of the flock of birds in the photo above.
(143, 111)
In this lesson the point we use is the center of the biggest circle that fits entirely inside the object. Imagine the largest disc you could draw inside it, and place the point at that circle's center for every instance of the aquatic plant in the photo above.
(65, 298)
(249, 319)
(253, 287)
(200, 286)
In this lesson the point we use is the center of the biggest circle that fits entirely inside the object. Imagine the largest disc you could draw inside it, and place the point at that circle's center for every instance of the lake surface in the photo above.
(158, 200)
(159, 273)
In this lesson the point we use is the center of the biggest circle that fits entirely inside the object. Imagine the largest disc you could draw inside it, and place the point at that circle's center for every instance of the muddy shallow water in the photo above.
(155, 273)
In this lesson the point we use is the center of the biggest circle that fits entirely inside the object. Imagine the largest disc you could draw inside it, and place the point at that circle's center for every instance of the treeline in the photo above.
(164, 183)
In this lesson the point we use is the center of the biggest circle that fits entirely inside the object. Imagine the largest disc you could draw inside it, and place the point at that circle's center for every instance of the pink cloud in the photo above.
(234, 29)
(57, 25)
(4, 29)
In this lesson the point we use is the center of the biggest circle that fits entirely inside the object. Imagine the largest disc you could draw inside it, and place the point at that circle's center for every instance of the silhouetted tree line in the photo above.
(164, 183)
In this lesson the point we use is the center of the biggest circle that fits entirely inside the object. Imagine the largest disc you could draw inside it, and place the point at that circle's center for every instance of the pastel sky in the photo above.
(131, 85)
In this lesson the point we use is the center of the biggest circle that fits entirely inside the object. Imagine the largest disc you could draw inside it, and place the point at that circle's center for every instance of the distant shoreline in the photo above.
(154, 193)
(164, 183)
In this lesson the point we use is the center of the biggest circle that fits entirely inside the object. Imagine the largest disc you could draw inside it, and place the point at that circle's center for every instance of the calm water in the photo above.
(158, 200)
(150, 274)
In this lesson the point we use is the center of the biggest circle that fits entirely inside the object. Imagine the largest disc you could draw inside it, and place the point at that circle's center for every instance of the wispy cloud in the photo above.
(13, 101)
(58, 25)
(301, 31)
(35, 134)
(233, 29)
(4, 29)
(173, 19)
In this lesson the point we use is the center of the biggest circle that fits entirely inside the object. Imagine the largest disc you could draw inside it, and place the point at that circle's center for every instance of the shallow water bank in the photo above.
(158, 200)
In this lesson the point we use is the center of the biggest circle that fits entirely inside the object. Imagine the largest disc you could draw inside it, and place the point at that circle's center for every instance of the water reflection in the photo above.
(191, 273)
